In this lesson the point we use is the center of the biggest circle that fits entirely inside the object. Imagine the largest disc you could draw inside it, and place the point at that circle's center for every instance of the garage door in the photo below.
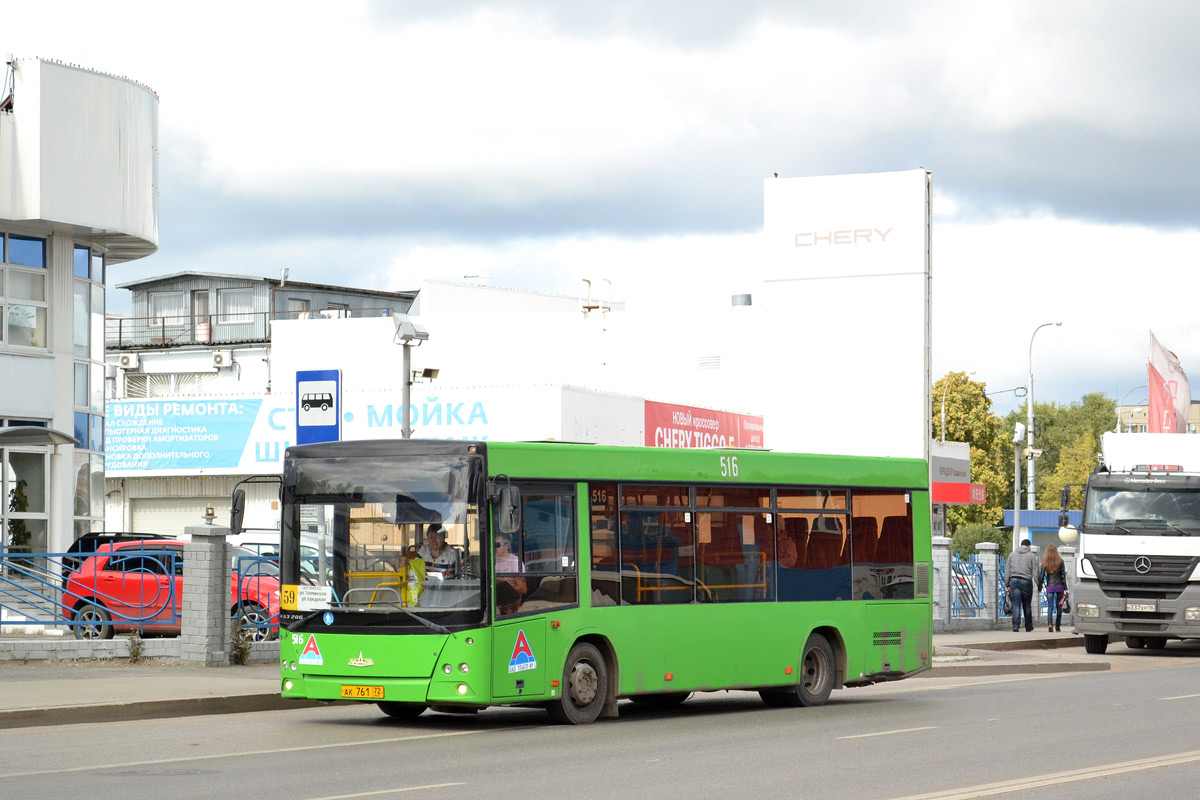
(170, 515)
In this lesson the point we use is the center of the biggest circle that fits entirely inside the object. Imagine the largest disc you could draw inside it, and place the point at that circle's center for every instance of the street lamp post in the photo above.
(1029, 486)
(408, 333)
(944, 390)
(1122, 403)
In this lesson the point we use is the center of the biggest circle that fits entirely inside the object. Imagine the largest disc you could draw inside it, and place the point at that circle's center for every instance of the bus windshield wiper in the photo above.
(295, 626)
(428, 623)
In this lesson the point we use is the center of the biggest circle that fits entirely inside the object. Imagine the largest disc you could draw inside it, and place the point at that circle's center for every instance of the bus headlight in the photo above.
(462, 688)
(464, 668)
(446, 668)
(1087, 611)
(1191, 614)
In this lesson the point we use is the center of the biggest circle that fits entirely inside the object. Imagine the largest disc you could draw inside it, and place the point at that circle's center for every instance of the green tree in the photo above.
(1058, 429)
(966, 537)
(1075, 463)
(969, 419)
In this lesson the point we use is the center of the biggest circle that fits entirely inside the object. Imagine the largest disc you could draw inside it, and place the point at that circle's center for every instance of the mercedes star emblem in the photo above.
(1142, 565)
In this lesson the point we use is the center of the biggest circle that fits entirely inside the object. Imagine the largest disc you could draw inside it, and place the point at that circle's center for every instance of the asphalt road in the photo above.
(1130, 732)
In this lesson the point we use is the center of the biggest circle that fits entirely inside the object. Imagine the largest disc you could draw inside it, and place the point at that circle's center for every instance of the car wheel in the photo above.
(584, 687)
(256, 620)
(92, 622)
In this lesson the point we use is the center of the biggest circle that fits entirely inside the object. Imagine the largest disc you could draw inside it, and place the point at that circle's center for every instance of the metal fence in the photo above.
(966, 598)
(122, 333)
(139, 589)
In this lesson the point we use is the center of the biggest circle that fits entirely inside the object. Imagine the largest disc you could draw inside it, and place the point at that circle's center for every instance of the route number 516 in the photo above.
(729, 467)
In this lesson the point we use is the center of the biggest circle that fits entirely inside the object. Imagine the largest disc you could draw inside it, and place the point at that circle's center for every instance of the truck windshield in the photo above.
(391, 541)
(1152, 512)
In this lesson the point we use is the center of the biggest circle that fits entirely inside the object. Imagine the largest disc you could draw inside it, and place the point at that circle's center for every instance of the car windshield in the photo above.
(1146, 512)
(363, 527)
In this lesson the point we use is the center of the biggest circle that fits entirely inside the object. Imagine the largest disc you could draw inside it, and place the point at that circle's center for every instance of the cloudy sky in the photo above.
(539, 143)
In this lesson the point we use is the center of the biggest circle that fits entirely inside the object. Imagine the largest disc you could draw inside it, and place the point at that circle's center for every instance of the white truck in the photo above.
(1139, 542)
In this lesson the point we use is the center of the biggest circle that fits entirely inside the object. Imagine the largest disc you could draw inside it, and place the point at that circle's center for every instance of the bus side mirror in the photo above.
(507, 510)
(237, 512)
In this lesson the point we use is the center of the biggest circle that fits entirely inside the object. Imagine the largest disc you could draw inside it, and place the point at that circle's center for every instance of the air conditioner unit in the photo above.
(222, 358)
(128, 361)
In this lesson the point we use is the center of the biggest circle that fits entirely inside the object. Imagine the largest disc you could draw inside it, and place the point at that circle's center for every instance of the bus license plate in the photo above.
(352, 692)
(1141, 605)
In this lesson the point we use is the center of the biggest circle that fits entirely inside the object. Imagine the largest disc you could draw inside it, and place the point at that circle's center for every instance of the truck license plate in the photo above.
(352, 692)
(1141, 605)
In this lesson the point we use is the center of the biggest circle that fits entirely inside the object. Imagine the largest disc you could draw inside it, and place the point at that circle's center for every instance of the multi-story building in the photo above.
(78, 195)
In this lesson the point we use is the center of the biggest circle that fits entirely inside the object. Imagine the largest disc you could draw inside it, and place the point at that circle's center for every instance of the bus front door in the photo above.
(519, 658)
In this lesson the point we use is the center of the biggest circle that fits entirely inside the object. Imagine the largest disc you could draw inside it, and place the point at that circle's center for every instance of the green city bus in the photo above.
(574, 575)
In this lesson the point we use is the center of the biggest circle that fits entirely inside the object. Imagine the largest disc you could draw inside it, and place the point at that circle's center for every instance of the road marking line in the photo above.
(1037, 782)
(1180, 697)
(889, 733)
(236, 754)
(388, 791)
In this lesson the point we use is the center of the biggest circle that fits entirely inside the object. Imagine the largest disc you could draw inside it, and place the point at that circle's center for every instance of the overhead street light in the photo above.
(944, 388)
(1029, 487)
(407, 333)
(1121, 404)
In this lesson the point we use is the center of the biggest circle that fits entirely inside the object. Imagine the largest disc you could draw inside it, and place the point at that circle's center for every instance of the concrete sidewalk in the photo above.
(37, 694)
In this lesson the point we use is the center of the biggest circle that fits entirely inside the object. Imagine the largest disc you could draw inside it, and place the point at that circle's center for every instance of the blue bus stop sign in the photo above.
(318, 406)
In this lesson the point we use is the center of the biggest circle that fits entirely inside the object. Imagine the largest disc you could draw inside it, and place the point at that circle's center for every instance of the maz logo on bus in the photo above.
(729, 467)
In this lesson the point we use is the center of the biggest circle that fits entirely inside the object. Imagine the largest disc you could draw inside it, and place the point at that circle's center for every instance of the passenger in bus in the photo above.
(510, 586)
(440, 558)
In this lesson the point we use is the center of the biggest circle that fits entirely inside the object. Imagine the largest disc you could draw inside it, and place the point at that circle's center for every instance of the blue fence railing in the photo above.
(136, 586)
(966, 597)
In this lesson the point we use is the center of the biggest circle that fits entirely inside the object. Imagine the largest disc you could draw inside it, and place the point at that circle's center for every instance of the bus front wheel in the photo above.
(584, 687)
(401, 710)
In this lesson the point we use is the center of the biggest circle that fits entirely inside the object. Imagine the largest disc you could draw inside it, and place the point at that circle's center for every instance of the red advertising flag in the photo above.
(1170, 394)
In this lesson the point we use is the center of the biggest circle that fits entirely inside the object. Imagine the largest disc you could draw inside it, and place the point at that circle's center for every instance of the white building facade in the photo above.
(78, 195)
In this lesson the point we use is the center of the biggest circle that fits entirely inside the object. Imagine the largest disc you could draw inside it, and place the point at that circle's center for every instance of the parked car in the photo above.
(87, 544)
(138, 584)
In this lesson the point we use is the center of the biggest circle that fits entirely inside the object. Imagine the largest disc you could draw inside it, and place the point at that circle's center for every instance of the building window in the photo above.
(26, 251)
(235, 306)
(167, 308)
(23, 306)
(83, 262)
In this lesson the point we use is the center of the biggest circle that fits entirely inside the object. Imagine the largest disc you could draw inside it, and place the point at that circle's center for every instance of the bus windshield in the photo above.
(1153, 512)
(388, 539)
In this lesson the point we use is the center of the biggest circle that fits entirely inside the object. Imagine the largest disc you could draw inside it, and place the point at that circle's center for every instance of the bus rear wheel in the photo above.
(401, 710)
(584, 687)
(816, 677)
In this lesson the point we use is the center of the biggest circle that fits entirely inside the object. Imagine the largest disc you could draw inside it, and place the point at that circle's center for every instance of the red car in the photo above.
(138, 585)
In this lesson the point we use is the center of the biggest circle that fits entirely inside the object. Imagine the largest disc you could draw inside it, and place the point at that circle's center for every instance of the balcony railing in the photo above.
(124, 333)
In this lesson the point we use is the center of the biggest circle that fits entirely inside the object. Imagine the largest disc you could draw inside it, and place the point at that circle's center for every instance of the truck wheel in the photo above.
(1135, 642)
(1095, 643)
(1156, 642)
